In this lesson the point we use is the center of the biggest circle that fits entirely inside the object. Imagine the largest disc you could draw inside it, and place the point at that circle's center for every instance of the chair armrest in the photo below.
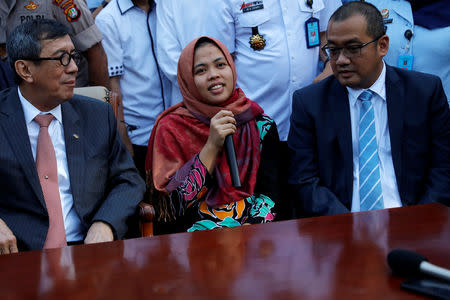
(146, 216)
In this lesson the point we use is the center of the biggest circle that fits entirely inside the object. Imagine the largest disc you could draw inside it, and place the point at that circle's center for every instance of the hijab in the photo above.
(181, 131)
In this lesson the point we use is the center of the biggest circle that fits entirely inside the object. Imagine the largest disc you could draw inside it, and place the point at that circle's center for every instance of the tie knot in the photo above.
(366, 95)
(44, 120)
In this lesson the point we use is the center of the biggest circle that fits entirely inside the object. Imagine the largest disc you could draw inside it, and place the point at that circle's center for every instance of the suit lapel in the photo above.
(74, 141)
(341, 111)
(395, 99)
(12, 120)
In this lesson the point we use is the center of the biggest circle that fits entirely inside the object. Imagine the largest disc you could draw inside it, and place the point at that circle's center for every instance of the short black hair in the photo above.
(375, 25)
(204, 40)
(24, 42)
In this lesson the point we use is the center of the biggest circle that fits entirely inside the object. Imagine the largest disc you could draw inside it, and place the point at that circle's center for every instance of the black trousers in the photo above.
(140, 152)
(287, 203)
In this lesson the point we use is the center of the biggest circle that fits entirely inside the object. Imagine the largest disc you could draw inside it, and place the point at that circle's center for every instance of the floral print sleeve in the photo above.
(189, 184)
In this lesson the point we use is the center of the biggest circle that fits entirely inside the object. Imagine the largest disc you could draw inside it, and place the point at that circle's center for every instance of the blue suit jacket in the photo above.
(104, 181)
(320, 140)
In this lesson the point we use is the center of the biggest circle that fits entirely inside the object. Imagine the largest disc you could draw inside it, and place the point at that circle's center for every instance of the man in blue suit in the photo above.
(371, 136)
(97, 185)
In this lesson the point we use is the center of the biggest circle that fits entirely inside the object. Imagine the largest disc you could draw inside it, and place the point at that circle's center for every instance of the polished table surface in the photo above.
(334, 257)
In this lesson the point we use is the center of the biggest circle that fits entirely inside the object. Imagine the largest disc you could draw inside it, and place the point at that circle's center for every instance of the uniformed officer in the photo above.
(419, 36)
(129, 30)
(75, 15)
(276, 47)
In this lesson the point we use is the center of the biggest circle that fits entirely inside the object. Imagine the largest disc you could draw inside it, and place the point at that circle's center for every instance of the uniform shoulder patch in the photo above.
(72, 12)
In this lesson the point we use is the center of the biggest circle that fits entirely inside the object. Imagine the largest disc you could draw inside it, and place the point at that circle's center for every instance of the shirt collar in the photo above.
(125, 5)
(378, 87)
(30, 111)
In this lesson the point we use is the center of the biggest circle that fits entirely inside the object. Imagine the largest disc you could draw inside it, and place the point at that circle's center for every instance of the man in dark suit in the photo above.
(83, 164)
(371, 136)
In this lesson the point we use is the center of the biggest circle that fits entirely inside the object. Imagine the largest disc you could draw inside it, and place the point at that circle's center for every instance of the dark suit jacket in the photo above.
(6, 76)
(320, 139)
(104, 181)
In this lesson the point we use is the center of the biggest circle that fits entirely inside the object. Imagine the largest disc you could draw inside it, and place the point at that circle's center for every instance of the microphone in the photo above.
(408, 263)
(231, 159)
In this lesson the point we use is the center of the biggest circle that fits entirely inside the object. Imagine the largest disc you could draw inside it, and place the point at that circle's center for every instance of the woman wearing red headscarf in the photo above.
(187, 171)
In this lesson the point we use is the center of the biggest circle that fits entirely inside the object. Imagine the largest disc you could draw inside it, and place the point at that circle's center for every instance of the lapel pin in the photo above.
(75, 136)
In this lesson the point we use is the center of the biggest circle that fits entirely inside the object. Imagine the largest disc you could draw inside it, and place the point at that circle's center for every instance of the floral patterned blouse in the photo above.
(193, 183)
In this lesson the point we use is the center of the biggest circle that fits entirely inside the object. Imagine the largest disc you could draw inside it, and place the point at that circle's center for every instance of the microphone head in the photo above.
(405, 262)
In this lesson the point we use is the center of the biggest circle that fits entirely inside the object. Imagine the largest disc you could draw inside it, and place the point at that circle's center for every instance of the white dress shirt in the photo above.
(72, 223)
(127, 30)
(391, 197)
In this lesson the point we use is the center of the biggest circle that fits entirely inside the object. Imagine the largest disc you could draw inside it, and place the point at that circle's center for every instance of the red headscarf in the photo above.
(181, 131)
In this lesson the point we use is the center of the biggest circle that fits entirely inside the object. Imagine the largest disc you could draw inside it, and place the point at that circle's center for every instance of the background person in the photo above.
(419, 36)
(129, 41)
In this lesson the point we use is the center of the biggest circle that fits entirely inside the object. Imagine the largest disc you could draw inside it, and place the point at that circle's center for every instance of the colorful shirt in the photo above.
(194, 182)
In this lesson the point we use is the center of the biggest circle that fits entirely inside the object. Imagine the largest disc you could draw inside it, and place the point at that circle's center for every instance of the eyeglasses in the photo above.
(350, 51)
(64, 59)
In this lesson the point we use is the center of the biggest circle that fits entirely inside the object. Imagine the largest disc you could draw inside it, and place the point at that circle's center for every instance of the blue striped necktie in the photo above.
(370, 193)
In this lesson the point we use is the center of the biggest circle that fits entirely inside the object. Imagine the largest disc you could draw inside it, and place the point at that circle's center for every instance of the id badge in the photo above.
(312, 33)
(405, 61)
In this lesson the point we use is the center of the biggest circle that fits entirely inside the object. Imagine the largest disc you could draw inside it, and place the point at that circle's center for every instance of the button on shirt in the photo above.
(128, 47)
(430, 47)
(391, 196)
(270, 76)
(72, 223)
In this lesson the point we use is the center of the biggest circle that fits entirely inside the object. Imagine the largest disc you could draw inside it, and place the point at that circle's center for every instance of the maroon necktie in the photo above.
(48, 176)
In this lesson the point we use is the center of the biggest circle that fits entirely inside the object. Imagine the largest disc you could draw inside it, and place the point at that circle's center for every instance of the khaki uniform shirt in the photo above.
(72, 13)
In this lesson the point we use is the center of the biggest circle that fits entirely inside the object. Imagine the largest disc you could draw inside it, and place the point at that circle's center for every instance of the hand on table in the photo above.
(99, 232)
(8, 242)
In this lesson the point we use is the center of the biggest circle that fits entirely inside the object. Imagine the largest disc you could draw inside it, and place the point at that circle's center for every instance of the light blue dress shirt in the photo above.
(93, 3)
(128, 47)
(430, 48)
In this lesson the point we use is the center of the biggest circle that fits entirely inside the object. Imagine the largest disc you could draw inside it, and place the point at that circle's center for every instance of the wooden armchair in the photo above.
(146, 210)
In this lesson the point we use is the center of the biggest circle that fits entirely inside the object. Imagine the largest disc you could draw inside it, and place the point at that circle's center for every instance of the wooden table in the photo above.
(335, 257)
